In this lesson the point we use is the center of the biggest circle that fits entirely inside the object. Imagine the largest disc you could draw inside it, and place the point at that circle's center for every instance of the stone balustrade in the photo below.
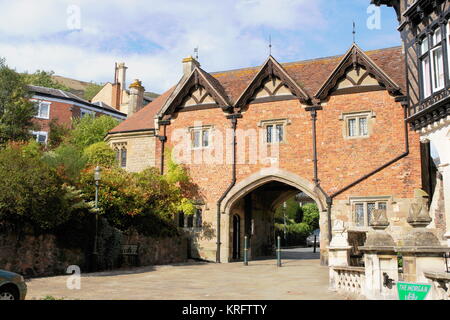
(350, 280)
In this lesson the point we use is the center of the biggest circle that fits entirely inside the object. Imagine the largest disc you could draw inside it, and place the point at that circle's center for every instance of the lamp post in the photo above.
(97, 181)
(284, 218)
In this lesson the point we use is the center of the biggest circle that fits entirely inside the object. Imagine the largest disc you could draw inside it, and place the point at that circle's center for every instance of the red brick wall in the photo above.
(341, 161)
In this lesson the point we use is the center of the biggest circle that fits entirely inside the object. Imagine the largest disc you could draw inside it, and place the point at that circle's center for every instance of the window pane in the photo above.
(43, 110)
(190, 221)
(196, 139)
(424, 46)
(438, 69)
(352, 127)
(359, 214)
(205, 138)
(426, 77)
(181, 219)
(117, 155)
(41, 138)
(382, 205)
(370, 208)
(437, 36)
(363, 129)
(198, 219)
(269, 133)
(123, 161)
(279, 133)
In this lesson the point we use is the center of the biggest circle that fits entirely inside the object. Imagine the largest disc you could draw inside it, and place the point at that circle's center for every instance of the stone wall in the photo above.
(36, 255)
(157, 251)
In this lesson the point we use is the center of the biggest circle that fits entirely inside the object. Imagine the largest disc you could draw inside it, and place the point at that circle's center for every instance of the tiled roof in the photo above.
(309, 74)
(60, 94)
(144, 118)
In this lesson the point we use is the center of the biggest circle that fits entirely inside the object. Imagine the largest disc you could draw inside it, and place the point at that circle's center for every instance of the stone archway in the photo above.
(258, 180)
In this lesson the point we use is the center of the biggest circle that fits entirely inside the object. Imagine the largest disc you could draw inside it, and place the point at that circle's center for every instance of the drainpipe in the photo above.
(313, 109)
(233, 119)
(163, 140)
(329, 198)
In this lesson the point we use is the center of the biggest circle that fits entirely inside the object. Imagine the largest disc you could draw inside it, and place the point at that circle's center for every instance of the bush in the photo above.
(32, 193)
(68, 160)
(100, 154)
(89, 130)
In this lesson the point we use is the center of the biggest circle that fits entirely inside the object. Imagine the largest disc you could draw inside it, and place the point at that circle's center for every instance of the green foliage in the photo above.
(58, 134)
(293, 210)
(43, 79)
(67, 160)
(91, 90)
(16, 110)
(89, 130)
(32, 193)
(100, 154)
(311, 215)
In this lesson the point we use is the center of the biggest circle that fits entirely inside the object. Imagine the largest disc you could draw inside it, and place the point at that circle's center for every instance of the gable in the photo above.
(272, 88)
(271, 81)
(356, 77)
(356, 72)
(198, 96)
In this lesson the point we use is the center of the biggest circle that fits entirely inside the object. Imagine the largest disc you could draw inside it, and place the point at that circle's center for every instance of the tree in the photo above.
(89, 130)
(311, 215)
(91, 90)
(100, 154)
(43, 79)
(32, 193)
(16, 109)
(58, 134)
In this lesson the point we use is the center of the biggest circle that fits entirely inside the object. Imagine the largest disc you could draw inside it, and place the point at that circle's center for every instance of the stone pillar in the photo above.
(445, 171)
(338, 251)
(421, 249)
(380, 260)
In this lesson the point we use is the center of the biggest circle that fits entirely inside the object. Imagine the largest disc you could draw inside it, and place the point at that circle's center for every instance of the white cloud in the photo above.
(150, 36)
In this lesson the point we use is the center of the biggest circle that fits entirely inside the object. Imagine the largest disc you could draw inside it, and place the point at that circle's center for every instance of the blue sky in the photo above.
(82, 39)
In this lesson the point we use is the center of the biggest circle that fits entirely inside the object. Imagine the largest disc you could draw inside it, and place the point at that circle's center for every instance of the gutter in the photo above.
(233, 119)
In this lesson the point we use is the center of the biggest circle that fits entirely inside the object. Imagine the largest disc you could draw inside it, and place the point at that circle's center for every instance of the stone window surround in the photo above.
(40, 102)
(118, 147)
(361, 199)
(202, 127)
(284, 122)
(357, 114)
(194, 228)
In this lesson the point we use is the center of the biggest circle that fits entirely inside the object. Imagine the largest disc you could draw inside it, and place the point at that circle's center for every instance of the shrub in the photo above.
(100, 154)
(89, 130)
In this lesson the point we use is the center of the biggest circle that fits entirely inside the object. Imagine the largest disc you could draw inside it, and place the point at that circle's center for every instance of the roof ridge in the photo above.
(303, 61)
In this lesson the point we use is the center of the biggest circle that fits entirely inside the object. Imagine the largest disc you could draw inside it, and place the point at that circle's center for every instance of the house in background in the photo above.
(116, 94)
(63, 107)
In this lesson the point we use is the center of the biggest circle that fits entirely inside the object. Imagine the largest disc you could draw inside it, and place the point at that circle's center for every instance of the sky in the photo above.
(83, 39)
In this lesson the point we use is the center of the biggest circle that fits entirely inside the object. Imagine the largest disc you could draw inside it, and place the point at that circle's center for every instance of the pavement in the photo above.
(300, 278)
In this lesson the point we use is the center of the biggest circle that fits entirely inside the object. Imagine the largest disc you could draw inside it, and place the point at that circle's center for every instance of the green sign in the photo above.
(412, 291)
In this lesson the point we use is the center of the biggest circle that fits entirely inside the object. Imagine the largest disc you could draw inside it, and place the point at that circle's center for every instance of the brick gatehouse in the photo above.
(332, 128)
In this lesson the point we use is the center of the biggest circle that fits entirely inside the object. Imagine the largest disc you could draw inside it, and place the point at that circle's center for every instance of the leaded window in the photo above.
(274, 133)
(363, 211)
(200, 138)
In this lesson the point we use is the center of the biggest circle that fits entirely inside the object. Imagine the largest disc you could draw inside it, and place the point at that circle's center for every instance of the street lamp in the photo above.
(97, 171)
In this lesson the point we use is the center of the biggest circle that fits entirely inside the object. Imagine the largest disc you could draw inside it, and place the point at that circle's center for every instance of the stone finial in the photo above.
(379, 219)
(418, 212)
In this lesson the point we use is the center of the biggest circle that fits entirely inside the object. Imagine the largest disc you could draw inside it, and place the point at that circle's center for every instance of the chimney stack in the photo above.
(189, 65)
(136, 99)
(121, 73)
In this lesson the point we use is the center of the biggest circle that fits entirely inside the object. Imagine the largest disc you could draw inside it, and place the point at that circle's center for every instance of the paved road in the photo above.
(298, 279)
